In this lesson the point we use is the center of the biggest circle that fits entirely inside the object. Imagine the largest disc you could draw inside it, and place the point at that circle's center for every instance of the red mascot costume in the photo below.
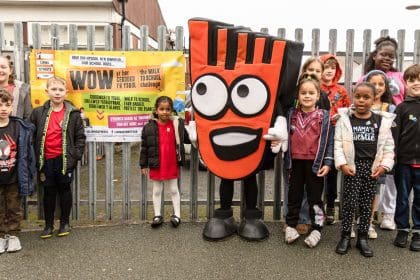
(242, 83)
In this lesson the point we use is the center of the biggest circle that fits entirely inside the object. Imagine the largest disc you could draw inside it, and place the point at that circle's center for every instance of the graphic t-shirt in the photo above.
(8, 152)
(365, 136)
(54, 138)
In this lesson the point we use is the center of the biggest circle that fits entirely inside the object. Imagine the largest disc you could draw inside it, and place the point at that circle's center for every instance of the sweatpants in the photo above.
(302, 175)
(11, 213)
(57, 183)
(172, 185)
(250, 189)
(358, 194)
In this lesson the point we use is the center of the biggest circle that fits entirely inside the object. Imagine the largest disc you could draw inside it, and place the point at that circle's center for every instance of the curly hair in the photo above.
(12, 75)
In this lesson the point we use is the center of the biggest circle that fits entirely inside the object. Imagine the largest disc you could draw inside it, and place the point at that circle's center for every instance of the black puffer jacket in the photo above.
(73, 135)
(149, 153)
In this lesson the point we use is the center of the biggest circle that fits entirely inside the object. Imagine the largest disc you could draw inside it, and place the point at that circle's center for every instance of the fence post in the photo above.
(281, 33)
(299, 35)
(18, 51)
(315, 42)
(367, 40)
(72, 36)
(416, 50)
(1, 36)
(348, 81)
(401, 48)
(332, 46)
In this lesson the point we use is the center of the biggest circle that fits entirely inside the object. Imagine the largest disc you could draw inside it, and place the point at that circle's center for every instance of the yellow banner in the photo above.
(116, 90)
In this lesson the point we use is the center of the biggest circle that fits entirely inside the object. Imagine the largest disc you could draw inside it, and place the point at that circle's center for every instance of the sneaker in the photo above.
(388, 222)
(353, 233)
(64, 230)
(313, 239)
(372, 233)
(330, 216)
(13, 244)
(303, 228)
(291, 235)
(175, 221)
(47, 232)
(401, 239)
(3, 245)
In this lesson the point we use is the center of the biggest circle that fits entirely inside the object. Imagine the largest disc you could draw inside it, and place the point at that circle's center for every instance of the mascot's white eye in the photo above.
(209, 95)
(249, 96)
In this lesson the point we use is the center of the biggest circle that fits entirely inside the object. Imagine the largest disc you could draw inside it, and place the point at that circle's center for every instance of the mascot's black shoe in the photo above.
(221, 226)
(252, 227)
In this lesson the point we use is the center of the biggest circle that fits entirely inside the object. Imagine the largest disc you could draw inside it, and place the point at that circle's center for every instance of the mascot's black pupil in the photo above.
(243, 91)
(201, 89)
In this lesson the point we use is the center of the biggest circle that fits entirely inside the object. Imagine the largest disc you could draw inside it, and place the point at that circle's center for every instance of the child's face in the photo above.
(329, 72)
(57, 92)
(5, 110)
(363, 100)
(5, 70)
(413, 87)
(379, 83)
(315, 68)
(384, 58)
(308, 95)
(164, 111)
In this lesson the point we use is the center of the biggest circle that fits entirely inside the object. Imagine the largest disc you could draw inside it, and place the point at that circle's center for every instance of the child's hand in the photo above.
(347, 170)
(378, 172)
(323, 171)
(145, 171)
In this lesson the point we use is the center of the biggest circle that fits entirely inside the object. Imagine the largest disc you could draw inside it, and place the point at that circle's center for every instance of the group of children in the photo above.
(52, 140)
(326, 133)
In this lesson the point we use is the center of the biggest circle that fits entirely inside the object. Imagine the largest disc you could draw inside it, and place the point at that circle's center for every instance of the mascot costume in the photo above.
(242, 82)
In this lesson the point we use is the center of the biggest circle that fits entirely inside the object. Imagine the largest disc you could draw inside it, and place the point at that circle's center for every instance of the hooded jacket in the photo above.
(149, 152)
(73, 134)
(344, 151)
(337, 94)
(407, 130)
(22, 100)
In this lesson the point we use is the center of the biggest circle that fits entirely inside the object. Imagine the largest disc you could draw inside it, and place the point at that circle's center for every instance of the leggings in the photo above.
(250, 189)
(172, 185)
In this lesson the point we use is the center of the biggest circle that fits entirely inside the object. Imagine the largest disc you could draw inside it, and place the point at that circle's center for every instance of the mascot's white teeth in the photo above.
(233, 138)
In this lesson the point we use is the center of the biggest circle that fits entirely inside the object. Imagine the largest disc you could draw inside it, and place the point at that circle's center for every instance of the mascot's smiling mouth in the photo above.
(235, 142)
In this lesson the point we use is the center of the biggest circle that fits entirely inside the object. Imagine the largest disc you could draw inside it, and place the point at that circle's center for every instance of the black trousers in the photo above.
(57, 183)
(302, 175)
(250, 189)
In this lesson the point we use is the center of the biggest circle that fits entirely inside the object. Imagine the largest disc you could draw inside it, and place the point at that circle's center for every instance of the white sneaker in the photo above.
(3, 245)
(353, 233)
(313, 239)
(388, 222)
(13, 244)
(291, 235)
(372, 232)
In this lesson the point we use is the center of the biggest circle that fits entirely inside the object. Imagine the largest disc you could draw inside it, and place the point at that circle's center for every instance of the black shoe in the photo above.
(252, 227)
(401, 239)
(157, 221)
(221, 226)
(64, 230)
(343, 245)
(47, 232)
(363, 246)
(175, 221)
(415, 242)
(330, 220)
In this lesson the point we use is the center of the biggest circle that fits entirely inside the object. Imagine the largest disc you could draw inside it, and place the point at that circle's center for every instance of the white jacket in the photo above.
(344, 152)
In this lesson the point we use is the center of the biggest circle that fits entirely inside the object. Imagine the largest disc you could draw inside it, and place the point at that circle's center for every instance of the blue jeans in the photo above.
(407, 178)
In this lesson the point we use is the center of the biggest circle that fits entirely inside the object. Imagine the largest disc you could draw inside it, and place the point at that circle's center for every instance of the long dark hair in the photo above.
(379, 44)
(386, 96)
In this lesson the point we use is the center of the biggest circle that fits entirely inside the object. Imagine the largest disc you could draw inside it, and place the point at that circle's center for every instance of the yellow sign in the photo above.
(116, 90)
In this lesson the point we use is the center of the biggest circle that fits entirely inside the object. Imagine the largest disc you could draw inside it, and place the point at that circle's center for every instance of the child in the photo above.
(17, 170)
(309, 158)
(388, 193)
(407, 170)
(383, 58)
(20, 91)
(363, 151)
(59, 144)
(339, 98)
(162, 150)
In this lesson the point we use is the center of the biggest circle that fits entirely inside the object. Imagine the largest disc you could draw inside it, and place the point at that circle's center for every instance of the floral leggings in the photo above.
(358, 194)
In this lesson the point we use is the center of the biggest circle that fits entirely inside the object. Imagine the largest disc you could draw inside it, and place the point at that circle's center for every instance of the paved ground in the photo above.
(139, 252)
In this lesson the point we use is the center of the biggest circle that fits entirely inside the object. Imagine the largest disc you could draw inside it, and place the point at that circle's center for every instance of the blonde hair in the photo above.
(55, 79)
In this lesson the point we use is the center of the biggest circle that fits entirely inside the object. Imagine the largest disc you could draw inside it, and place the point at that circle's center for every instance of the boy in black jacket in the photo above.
(59, 144)
(407, 170)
